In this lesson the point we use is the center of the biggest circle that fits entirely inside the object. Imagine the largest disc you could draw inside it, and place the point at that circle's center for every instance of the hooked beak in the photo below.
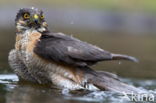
(36, 19)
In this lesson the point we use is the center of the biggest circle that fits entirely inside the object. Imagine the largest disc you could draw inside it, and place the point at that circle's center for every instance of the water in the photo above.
(14, 92)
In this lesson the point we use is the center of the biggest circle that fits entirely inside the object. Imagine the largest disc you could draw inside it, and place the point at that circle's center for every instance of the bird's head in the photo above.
(30, 18)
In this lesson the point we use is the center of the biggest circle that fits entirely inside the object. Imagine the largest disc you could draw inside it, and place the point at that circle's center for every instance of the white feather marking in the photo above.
(71, 49)
(42, 29)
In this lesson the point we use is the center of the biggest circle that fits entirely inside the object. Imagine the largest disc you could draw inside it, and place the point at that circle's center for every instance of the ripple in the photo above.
(8, 78)
(10, 82)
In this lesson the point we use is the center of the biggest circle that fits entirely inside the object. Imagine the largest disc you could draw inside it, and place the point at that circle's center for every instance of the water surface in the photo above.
(14, 92)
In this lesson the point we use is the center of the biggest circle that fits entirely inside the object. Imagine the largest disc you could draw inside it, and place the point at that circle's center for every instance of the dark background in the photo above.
(119, 26)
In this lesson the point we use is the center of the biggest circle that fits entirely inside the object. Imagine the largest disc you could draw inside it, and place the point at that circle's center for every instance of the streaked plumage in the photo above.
(45, 57)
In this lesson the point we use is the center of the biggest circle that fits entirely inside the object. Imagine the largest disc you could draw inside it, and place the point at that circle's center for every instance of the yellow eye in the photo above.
(26, 16)
(42, 16)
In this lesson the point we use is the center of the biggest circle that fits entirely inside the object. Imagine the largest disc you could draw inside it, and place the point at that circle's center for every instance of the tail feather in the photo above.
(106, 81)
(123, 57)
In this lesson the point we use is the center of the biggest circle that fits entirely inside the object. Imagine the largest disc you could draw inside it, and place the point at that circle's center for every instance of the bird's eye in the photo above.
(42, 16)
(26, 16)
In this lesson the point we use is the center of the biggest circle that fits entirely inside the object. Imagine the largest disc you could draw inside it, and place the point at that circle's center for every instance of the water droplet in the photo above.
(32, 8)
(65, 91)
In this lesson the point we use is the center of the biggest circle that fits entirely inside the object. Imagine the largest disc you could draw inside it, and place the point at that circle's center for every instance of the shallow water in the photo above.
(14, 92)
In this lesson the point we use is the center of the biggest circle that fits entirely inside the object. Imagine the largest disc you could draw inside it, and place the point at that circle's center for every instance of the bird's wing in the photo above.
(69, 50)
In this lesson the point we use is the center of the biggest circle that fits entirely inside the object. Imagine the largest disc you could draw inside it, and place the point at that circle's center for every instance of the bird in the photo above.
(44, 57)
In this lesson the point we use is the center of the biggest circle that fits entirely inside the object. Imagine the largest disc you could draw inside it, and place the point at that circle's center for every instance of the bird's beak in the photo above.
(36, 19)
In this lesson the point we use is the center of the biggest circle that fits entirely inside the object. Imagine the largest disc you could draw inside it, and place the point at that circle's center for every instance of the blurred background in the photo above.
(119, 26)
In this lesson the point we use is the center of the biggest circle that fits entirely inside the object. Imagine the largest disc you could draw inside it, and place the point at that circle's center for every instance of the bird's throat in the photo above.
(22, 29)
(26, 41)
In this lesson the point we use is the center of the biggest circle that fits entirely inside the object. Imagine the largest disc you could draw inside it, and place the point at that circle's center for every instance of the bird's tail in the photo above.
(123, 57)
(110, 82)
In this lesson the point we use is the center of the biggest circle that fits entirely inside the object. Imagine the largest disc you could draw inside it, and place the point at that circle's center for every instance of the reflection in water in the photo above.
(13, 92)
(2, 93)
(30, 94)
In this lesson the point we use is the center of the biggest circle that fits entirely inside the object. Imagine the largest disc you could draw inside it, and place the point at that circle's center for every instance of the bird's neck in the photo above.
(20, 29)
(27, 40)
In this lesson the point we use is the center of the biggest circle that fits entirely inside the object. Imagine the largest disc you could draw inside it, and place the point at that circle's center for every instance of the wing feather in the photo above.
(69, 50)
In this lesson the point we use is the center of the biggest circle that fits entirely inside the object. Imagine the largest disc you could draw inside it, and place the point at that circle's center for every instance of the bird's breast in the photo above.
(27, 41)
(41, 68)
